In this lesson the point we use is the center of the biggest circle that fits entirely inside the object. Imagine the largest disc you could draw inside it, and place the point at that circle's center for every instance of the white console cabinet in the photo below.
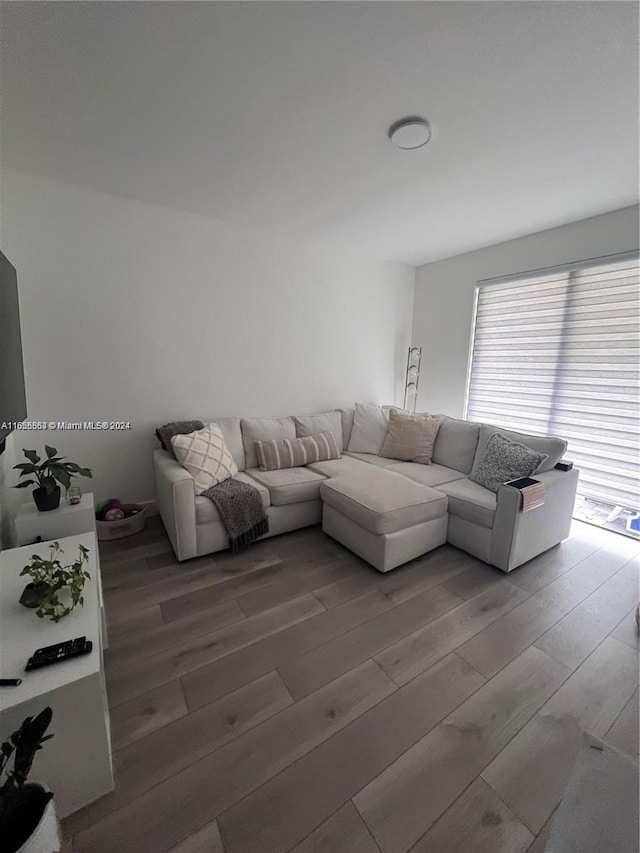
(76, 764)
(66, 520)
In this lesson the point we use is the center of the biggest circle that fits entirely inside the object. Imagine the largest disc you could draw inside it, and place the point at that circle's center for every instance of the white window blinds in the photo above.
(556, 352)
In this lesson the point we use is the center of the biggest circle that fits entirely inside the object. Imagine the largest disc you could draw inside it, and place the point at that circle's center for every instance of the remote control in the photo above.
(59, 652)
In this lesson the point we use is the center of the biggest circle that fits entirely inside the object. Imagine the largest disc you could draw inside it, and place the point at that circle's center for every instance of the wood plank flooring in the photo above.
(292, 698)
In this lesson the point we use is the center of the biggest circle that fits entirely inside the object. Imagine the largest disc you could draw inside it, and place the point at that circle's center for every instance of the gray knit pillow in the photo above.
(504, 460)
(165, 433)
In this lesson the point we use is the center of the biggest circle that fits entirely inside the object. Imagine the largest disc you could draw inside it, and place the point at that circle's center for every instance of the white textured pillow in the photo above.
(205, 456)
(370, 424)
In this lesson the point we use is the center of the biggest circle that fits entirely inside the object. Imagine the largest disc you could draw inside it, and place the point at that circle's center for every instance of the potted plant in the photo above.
(46, 472)
(49, 578)
(27, 816)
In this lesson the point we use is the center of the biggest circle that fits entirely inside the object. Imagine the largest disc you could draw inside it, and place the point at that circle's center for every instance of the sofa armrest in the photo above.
(177, 503)
(519, 536)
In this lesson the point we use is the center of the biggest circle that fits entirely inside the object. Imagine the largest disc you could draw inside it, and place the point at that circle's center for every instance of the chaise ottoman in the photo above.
(382, 516)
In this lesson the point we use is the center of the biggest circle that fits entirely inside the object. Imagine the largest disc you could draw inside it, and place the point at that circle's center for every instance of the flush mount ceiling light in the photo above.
(410, 133)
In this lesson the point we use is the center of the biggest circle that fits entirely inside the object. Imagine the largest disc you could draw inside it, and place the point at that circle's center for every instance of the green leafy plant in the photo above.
(57, 578)
(46, 472)
(22, 804)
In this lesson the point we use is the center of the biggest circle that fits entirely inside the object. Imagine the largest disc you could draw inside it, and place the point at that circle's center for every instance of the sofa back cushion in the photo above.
(277, 453)
(370, 424)
(456, 444)
(263, 429)
(315, 424)
(230, 428)
(553, 447)
(346, 417)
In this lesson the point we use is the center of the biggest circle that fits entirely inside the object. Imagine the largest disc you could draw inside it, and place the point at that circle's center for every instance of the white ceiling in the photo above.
(275, 114)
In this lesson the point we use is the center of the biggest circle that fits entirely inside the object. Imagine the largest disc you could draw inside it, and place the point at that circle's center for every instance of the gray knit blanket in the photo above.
(240, 507)
(239, 504)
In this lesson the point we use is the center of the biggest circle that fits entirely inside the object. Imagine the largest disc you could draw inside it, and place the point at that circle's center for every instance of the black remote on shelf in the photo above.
(59, 652)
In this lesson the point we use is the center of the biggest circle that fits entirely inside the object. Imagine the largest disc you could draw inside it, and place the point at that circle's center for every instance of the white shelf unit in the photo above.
(77, 763)
(66, 520)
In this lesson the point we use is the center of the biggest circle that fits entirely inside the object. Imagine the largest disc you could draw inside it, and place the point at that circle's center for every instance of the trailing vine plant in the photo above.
(58, 578)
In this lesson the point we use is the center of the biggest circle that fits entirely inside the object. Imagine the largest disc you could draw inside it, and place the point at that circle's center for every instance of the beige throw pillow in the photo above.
(410, 438)
(205, 456)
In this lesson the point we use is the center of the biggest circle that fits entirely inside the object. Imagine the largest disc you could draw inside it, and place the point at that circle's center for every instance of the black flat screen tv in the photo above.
(13, 403)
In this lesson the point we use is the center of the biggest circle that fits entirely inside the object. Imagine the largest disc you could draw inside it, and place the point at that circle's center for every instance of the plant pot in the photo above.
(32, 593)
(46, 836)
(32, 826)
(46, 501)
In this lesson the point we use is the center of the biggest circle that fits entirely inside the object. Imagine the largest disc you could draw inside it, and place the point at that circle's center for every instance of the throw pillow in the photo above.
(205, 456)
(554, 447)
(165, 433)
(410, 438)
(369, 429)
(294, 452)
(314, 424)
(504, 460)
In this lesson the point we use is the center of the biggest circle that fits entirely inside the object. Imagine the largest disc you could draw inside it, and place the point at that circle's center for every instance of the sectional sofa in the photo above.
(385, 510)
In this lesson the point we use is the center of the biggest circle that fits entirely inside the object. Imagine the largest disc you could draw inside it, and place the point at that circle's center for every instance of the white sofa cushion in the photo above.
(554, 448)
(337, 467)
(471, 502)
(207, 511)
(370, 424)
(373, 459)
(263, 429)
(289, 485)
(232, 435)
(315, 424)
(205, 456)
(381, 501)
(346, 419)
(427, 475)
(456, 444)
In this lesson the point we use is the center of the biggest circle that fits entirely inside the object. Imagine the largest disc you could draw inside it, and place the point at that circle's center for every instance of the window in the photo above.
(556, 352)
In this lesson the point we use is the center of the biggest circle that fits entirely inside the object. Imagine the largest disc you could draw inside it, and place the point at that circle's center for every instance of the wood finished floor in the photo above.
(294, 699)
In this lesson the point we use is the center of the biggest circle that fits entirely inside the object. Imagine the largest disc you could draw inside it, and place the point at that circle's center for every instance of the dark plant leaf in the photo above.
(32, 456)
(51, 451)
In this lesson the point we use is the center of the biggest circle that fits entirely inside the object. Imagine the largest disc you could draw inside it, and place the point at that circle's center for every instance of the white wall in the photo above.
(444, 297)
(133, 312)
